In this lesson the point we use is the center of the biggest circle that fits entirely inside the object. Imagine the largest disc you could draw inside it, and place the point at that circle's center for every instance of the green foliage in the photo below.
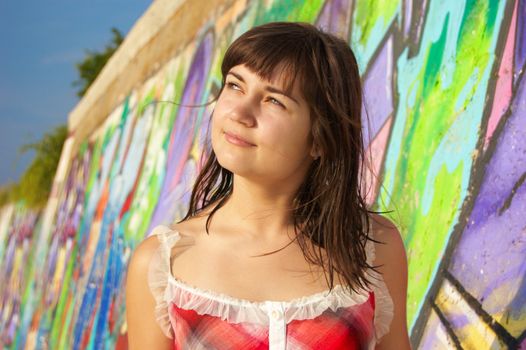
(90, 67)
(8, 193)
(35, 184)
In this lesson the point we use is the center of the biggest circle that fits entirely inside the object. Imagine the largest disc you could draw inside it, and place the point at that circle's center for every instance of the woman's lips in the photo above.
(236, 140)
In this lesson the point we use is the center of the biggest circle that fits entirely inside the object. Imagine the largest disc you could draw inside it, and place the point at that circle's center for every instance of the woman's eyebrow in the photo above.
(278, 91)
(268, 88)
(237, 75)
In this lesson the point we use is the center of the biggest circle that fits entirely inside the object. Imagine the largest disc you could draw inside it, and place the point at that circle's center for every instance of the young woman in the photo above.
(278, 249)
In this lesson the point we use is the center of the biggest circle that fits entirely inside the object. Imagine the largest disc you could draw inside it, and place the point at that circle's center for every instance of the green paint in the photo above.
(147, 99)
(426, 125)
(150, 183)
(288, 10)
(93, 169)
(427, 248)
(478, 12)
(65, 337)
(370, 21)
(57, 327)
(367, 13)
(434, 60)
(83, 148)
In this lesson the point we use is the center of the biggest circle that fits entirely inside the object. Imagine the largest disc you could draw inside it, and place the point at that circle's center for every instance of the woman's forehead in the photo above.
(281, 77)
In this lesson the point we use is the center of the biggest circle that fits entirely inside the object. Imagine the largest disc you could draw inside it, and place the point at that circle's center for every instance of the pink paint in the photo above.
(503, 90)
(377, 151)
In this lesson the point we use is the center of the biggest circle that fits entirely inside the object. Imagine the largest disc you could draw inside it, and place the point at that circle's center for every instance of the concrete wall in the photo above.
(446, 97)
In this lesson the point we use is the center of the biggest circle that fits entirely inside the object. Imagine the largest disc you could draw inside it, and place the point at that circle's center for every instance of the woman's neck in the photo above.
(262, 212)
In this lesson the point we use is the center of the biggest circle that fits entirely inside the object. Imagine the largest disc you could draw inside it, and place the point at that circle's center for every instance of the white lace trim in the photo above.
(383, 304)
(157, 277)
(167, 288)
(234, 310)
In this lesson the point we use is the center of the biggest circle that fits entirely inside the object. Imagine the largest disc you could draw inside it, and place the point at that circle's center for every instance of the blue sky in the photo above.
(40, 42)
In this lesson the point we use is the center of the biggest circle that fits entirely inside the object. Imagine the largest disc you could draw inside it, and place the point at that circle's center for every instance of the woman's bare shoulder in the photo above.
(382, 225)
(191, 228)
(390, 245)
(143, 328)
(391, 260)
(146, 248)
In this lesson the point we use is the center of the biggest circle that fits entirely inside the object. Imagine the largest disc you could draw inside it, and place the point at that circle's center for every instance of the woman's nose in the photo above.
(243, 112)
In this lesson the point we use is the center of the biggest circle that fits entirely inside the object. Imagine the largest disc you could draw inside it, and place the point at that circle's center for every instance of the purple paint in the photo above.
(457, 320)
(420, 15)
(335, 16)
(408, 6)
(183, 132)
(492, 247)
(520, 40)
(378, 92)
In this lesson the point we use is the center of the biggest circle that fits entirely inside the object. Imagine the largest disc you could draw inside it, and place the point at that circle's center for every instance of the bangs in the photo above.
(268, 52)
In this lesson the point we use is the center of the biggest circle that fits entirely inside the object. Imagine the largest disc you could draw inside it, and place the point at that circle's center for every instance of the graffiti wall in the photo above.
(445, 97)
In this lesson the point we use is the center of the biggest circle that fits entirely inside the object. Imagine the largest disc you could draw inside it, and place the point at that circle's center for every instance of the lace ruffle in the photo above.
(158, 272)
(383, 308)
(234, 310)
(167, 289)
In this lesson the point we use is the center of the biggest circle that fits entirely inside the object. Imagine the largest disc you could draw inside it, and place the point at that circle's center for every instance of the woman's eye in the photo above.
(233, 86)
(276, 102)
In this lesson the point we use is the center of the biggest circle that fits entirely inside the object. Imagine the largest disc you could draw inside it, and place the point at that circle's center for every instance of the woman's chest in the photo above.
(236, 327)
(284, 275)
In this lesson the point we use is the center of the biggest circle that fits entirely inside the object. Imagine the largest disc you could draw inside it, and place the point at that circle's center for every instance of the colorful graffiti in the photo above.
(445, 100)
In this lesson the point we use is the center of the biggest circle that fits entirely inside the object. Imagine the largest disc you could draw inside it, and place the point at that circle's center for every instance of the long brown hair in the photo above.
(329, 208)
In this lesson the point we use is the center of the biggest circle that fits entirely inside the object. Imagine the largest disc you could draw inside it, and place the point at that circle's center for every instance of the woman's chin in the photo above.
(235, 165)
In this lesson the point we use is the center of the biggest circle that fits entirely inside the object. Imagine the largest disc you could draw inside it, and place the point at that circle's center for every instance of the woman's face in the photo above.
(259, 131)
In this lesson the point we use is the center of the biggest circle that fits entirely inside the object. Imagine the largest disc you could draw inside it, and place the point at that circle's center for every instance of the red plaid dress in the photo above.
(200, 319)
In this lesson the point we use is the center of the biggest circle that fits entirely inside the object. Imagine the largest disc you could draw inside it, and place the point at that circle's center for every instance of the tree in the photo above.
(35, 184)
(8, 193)
(90, 67)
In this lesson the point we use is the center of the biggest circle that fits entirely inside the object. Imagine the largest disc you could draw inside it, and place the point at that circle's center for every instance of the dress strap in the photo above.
(159, 274)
